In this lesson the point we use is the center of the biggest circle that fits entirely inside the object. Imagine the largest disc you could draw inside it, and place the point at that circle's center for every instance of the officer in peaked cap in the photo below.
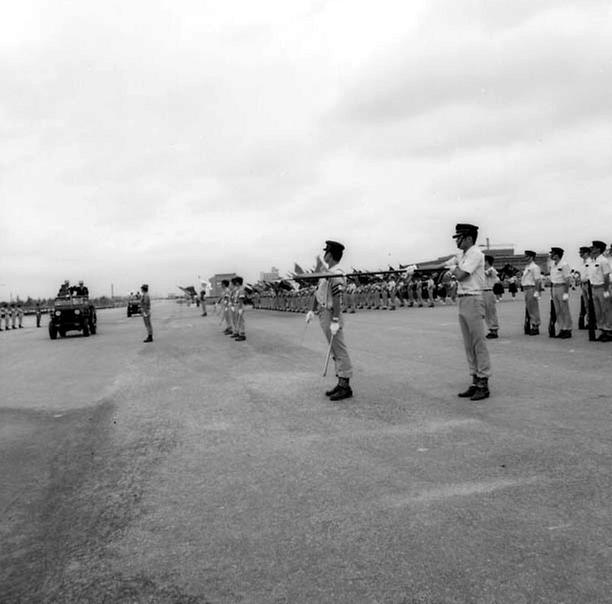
(560, 284)
(599, 276)
(531, 282)
(328, 301)
(469, 269)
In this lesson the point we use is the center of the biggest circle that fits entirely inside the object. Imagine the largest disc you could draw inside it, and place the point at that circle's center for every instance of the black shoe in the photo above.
(482, 389)
(240, 338)
(480, 394)
(342, 393)
(565, 334)
(21, 327)
(149, 339)
(491, 335)
(205, 314)
(604, 337)
(333, 390)
(469, 392)
(535, 331)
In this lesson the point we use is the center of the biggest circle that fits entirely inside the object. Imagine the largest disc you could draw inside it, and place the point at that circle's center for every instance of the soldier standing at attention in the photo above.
(560, 283)
(490, 300)
(531, 281)
(583, 271)
(599, 275)
(240, 295)
(3, 315)
(13, 316)
(38, 314)
(468, 268)
(328, 300)
(203, 292)
(145, 305)
(19, 315)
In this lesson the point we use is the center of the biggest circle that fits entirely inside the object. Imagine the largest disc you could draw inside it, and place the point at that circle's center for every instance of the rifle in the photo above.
(583, 311)
(591, 316)
(553, 316)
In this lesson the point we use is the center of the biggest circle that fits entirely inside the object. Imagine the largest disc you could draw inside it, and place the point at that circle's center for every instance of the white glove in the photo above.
(232, 308)
(536, 295)
(565, 297)
(606, 294)
(309, 316)
(334, 327)
(240, 311)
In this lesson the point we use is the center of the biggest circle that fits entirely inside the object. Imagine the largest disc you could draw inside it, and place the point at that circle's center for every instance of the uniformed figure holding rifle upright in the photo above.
(328, 302)
(469, 269)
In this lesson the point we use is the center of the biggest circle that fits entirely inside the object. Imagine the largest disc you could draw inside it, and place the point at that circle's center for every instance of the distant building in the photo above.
(506, 255)
(273, 275)
(216, 289)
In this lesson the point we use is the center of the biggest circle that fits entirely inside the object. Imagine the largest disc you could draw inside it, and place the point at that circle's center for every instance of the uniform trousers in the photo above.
(471, 315)
(533, 307)
(603, 308)
(344, 368)
(239, 322)
(490, 306)
(564, 318)
(147, 321)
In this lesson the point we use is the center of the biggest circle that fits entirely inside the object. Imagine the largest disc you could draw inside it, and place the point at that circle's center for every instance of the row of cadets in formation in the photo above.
(232, 308)
(11, 316)
(383, 294)
(595, 288)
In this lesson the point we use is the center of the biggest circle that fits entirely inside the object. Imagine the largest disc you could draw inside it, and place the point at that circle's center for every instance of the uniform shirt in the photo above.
(471, 261)
(330, 288)
(531, 274)
(145, 303)
(598, 269)
(584, 269)
(491, 277)
(559, 272)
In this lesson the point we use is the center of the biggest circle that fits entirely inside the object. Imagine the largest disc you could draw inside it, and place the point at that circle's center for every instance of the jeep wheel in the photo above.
(62, 333)
(93, 328)
(52, 332)
(129, 314)
(86, 330)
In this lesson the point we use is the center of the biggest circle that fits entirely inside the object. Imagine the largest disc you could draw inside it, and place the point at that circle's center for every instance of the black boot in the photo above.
(344, 390)
(149, 339)
(492, 335)
(565, 334)
(482, 389)
(333, 390)
(470, 391)
(535, 331)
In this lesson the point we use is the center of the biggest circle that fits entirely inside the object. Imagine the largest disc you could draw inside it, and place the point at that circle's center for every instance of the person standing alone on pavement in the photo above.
(145, 305)
(469, 269)
(328, 300)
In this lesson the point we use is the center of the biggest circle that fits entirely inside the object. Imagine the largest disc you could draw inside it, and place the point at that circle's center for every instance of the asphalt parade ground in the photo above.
(200, 469)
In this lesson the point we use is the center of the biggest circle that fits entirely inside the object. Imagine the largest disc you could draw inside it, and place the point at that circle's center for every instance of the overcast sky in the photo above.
(157, 141)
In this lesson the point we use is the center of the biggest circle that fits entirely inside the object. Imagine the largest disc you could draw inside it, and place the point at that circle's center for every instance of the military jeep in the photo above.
(72, 313)
(134, 307)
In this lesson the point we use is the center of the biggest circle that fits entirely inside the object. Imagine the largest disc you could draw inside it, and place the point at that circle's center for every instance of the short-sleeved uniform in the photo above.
(327, 290)
(530, 283)
(559, 280)
(599, 276)
(471, 312)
